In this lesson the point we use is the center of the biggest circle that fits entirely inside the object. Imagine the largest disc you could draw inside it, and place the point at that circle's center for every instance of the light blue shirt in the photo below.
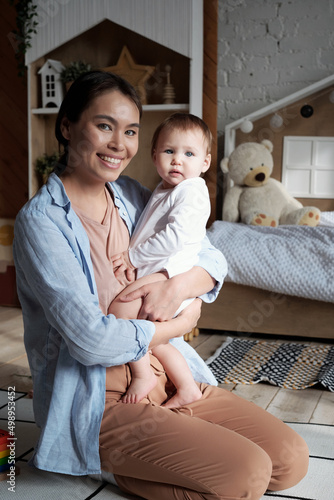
(68, 340)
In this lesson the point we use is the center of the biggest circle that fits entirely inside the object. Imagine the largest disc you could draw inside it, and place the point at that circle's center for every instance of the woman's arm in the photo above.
(162, 299)
(56, 289)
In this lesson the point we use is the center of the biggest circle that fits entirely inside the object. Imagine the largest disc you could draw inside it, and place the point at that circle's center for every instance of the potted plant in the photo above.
(45, 165)
(26, 27)
(72, 71)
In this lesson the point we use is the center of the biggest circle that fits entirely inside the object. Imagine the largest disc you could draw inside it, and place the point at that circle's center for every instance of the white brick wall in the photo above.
(268, 49)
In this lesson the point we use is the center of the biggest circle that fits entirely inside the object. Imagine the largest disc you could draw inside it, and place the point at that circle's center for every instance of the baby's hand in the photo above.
(124, 271)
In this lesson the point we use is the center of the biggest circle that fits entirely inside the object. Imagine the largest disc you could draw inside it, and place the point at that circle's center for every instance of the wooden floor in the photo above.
(313, 405)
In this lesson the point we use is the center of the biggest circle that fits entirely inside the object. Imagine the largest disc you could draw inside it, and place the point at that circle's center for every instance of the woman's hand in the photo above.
(160, 300)
(177, 327)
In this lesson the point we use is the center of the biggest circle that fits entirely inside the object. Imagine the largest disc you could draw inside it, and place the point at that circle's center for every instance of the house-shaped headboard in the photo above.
(301, 128)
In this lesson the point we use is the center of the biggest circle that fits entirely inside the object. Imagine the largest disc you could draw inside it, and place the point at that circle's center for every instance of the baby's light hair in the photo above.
(183, 121)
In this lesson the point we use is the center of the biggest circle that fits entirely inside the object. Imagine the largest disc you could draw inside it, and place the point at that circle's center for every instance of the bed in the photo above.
(280, 280)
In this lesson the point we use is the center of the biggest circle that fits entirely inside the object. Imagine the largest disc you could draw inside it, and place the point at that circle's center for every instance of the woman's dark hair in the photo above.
(80, 95)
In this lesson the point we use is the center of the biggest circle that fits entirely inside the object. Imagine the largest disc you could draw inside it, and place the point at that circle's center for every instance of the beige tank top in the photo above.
(106, 240)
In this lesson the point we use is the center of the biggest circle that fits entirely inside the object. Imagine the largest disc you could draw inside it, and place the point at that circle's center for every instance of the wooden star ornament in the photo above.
(136, 74)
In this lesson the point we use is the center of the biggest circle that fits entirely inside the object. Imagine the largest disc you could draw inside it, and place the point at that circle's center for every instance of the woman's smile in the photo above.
(114, 162)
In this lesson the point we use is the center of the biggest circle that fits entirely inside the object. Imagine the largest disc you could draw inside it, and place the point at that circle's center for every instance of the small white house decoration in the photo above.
(52, 86)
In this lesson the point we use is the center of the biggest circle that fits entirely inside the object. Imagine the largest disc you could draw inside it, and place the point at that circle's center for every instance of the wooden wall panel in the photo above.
(320, 124)
(13, 122)
(210, 93)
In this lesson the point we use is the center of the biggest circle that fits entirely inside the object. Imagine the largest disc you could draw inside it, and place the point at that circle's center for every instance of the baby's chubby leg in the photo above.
(143, 379)
(179, 373)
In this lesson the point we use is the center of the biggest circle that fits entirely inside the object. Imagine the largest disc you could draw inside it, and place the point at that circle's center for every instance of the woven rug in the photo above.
(285, 364)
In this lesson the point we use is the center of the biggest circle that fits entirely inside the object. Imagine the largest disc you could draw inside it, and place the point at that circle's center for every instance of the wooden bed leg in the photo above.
(190, 335)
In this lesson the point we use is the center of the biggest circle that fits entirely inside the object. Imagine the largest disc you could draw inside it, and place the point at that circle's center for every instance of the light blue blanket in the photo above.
(294, 260)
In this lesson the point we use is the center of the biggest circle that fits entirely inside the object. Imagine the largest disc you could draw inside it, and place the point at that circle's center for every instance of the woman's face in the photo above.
(105, 139)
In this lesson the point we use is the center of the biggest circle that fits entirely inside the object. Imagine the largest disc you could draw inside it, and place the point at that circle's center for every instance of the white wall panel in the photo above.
(168, 22)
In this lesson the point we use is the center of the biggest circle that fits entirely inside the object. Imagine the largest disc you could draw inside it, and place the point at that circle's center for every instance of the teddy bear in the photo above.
(256, 198)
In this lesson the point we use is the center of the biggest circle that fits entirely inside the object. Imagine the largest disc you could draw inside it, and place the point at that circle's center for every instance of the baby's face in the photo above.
(180, 155)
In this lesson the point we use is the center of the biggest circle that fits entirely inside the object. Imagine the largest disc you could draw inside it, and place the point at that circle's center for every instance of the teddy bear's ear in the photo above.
(268, 144)
(224, 165)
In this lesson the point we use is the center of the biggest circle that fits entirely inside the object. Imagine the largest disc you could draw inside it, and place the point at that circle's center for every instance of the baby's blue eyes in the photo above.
(170, 152)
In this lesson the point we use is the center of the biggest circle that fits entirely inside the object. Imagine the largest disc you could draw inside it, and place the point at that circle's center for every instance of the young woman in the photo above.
(217, 447)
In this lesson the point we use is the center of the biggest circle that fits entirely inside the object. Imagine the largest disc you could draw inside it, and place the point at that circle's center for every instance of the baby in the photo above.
(167, 240)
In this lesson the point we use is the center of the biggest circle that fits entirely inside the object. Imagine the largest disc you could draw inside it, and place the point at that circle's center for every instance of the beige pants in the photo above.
(220, 447)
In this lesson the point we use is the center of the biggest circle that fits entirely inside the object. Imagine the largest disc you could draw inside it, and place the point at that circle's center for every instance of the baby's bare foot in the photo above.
(184, 396)
(139, 388)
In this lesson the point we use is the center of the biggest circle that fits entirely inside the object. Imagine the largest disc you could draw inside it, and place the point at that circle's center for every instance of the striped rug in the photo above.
(285, 364)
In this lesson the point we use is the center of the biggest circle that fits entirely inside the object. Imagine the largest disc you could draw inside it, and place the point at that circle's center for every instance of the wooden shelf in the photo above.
(45, 111)
(146, 107)
(166, 107)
